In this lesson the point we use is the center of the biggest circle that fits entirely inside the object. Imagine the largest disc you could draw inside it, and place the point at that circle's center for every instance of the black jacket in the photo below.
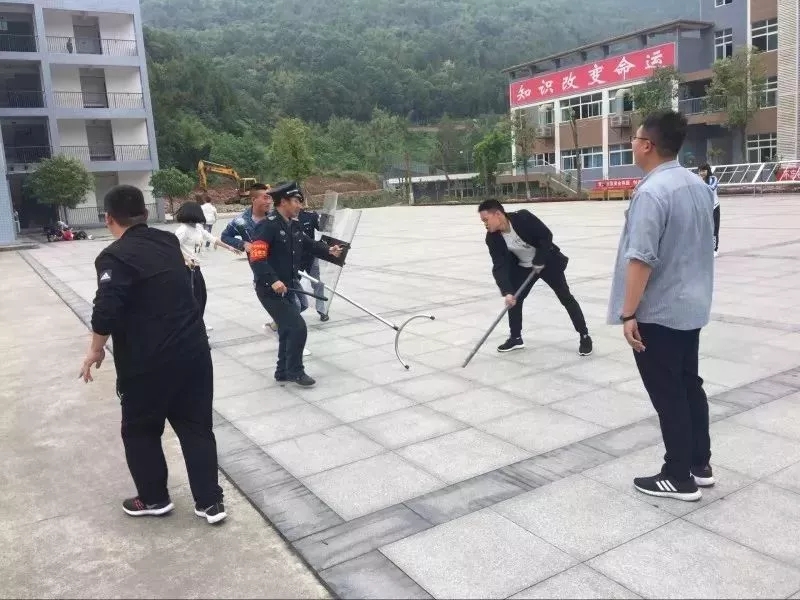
(532, 231)
(309, 224)
(278, 248)
(145, 302)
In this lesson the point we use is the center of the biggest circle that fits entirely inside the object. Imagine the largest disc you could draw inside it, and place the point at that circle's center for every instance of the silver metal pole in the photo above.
(353, 302)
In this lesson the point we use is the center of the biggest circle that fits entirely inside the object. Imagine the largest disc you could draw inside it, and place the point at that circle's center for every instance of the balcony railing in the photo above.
(21, 99)
(107, 152)
(701, 105)
(22, 155)
(116, 100)
(83, 45)
(10, 42)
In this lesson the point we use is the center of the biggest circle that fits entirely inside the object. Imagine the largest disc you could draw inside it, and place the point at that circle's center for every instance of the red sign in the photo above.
(592, 76)
(616, 184)
(788, 174)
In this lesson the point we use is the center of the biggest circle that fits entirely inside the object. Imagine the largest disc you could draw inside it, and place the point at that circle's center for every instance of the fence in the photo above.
(115, 100)
(91, 45)
(22, 99)
(107, 152)
(93, 216)
(10, 42)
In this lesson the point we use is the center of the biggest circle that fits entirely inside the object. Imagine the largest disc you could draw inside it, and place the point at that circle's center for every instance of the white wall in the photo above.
(72, 132)
(58, 23)
(140, 179)
(129, 132)
(121, 80)
(66, 79)
(116, 27)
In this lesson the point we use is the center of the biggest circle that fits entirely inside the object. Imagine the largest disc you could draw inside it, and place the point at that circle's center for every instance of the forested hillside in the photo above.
(237, 66)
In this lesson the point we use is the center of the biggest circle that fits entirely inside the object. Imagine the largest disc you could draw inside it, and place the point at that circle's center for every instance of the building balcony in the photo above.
(26, 155)
(108, 153)
(694, 106)
(103, 46)
(21, 99)
(110, 100)
(10, 42)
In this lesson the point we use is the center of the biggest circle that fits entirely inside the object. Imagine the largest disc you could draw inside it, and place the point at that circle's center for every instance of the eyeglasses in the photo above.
(643, 139)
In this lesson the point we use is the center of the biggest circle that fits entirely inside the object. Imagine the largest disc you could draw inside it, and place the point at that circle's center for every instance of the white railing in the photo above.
(785, 172)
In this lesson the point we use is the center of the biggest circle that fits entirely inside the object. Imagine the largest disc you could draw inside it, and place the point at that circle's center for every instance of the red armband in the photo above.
(259, 251)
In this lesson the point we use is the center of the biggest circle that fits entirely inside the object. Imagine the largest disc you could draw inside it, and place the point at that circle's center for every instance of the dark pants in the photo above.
(557, 280)
(208, 228)
(182, 392)
(716, 228)
(198, 288)
(668, 367)
(292, 331)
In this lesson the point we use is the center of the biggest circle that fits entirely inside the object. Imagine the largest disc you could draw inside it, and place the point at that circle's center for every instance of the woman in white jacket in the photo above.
(192, 236)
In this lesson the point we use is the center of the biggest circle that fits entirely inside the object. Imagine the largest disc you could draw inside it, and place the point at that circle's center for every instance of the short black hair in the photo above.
(125, 204)
(256, 187)
(666, 130)
(491, 205)
(706, 167)
(190, 213)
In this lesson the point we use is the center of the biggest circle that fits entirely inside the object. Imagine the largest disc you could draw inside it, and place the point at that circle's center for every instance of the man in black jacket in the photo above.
(144, 302)
(518, 244)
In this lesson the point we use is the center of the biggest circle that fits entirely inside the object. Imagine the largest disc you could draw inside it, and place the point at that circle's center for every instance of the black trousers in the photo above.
(181, 392)
(668, 368)
(198, 288)
(292, 332)
(557, 281)
(716, 228)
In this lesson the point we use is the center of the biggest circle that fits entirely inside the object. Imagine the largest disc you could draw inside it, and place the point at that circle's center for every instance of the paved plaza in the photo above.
(512, 477)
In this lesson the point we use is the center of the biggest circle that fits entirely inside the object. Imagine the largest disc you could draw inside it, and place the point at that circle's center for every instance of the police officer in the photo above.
(310, 223)
(276, 254)
(144, 302)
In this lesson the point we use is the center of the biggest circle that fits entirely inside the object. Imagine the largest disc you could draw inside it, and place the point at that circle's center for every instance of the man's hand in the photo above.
(632, 336)
(95, 358)
(247, 246)
(511, 302)
(279, 288)
(335, 251)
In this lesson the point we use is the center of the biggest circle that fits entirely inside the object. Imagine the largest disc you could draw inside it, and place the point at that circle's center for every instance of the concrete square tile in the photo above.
(371, 576)
(681, 560)
(599, 371)
(577, 582)
(323, 450)
(607, 407)
(751, 452)
(370, 485)
(503, 558)
(458, 456)
(540, 358)
(540, 429)
(480, 405)
(237, 385)
(779, 417)
(407, 426)
(330, 387)
(361, 359)
(257, 402)
(732, 374)
(491, 370)
(788, 479)
(582, 517)
(393, 372)
(364, 404)
(269, 428)
(432, 387)
(545, 389)
(623, 440)
(762, 517)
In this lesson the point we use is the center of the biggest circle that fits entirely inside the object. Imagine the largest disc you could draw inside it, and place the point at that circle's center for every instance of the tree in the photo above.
(578, 160)
(61, 181)
(245, 154)
(446, 151)
(658, 92)
(523, 129)
(737, 85)
(490, 151)
(291, 152)
(383, 138)
(171, 183)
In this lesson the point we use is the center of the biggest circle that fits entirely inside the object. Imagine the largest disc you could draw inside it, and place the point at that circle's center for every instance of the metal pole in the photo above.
(346, 299)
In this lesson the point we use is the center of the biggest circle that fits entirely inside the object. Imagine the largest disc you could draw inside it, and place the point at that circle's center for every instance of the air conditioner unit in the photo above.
(623, 120)
(544, 131)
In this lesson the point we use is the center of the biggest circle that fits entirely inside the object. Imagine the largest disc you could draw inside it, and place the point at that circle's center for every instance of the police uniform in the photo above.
(276, 254)
(310, 223)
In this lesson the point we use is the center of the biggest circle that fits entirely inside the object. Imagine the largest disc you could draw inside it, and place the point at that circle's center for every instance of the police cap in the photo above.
(286, 190)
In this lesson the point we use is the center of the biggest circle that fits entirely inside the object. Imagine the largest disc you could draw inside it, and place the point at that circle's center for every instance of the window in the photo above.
(762, 147)
(619, 155)
(765, 35)
(591, 158)
(723, 43)
(540, 160)
(718, 3)
(585, 107)
(627, 103)
(769, 97)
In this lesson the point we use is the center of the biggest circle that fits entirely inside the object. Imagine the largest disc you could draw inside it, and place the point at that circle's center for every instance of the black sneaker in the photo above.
(703, 476)
(323, 317)
(664, 486)
(212, 514)
(511, 344)
(281, 378)
(585, 348)
(136, 508)
(303, 380)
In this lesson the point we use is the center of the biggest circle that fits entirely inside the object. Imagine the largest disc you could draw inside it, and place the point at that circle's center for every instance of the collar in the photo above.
(133, 228)
(666, 166)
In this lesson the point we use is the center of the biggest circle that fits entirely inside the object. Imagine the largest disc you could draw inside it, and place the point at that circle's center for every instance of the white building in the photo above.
(73, 80)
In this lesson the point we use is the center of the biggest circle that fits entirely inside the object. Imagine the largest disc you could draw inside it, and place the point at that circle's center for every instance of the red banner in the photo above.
(592, 76)
(788, 174)
(616, 184)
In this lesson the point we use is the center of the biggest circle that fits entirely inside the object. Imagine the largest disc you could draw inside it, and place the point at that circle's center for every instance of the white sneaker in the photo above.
(716, 253)
(306, 352)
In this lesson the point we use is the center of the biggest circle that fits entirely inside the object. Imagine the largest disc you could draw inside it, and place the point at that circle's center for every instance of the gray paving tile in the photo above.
(284, 424)
(681, 560)
(582, 517)
(719, 411)
(577, 582)
(364, 404)
(332, 387)
(480, 405)
(541, 429)
(789, 378)
(371, 576)
(255, 402)
(253, 470)
(620, 442)
(557, 464)
(748, 396)
(546, 389)
(780, 417)
(360, 536)
(502, 558)
(607, 407)
(432, 387)
(490, 370)
(599, 371)
(323, 450)
(788, 478)
(230, 440)
(762, 517)
(458, 456)
(466, 497)
(731, 373)
(407, 426)
(236, 385)
(370, 485)
(751, 452)
(294, 510)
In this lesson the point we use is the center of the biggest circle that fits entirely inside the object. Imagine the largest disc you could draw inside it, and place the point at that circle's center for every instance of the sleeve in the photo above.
(114, 280)
(316, 248)
(500, 273)
(207, 237)
(228, 236)
(259, 254)
(713, 183)
(647, 219)
(536, 230)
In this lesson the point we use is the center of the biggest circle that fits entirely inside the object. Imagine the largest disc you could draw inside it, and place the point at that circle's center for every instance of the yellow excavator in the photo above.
(243, 184)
